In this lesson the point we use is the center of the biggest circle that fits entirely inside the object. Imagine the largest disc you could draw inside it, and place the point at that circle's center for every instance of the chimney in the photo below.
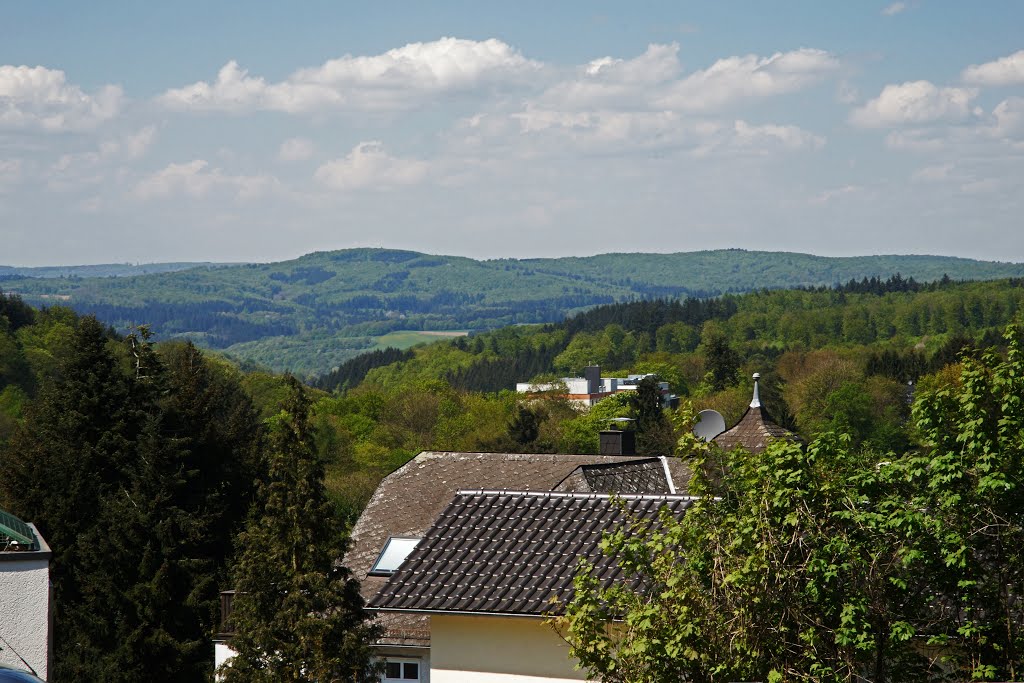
(592, 373)
(618, 442)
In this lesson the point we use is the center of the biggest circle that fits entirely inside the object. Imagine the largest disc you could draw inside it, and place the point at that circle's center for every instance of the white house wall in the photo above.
(472, 649)
(25, 610)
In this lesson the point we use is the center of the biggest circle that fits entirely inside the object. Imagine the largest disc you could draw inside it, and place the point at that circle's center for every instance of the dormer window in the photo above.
(393, 555)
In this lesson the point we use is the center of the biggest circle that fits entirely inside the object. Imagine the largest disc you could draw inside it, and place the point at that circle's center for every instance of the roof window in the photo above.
(393, 555)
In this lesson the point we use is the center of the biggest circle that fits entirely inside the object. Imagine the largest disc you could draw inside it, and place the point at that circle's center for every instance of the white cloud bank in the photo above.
(1008, 70)
(41, 98)
(368, 165)
(396, 79)
(733, 79)
(915, 102)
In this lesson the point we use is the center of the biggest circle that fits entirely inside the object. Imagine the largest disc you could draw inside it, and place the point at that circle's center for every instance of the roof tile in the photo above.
(516, 575)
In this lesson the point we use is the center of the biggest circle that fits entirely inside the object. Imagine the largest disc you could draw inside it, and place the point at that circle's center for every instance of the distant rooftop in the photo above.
(755, 430)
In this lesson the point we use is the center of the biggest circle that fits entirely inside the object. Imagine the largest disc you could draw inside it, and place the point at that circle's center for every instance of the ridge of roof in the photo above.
(581, 495)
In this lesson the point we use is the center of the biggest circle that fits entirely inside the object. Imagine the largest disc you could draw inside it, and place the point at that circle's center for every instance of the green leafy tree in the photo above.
(965, 491)
(297, 613)
(776, 573)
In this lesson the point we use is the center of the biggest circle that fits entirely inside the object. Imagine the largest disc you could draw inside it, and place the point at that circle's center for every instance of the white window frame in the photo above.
(376, 571)
(403, 661)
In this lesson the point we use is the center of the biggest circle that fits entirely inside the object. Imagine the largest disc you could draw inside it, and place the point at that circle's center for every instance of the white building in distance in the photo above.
(591, 388)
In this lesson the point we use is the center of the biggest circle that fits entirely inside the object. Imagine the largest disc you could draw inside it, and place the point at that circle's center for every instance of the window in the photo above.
(394, 553)
(396, 670)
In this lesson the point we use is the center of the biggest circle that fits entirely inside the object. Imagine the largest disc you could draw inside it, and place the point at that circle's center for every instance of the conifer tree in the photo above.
(123, 469)
(298, 615)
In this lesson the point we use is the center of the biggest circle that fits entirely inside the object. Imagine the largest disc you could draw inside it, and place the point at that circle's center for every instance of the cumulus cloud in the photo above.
(611, 82)
(295, 149)
(41, 98)
(894, 9)
(368, 165)
(739, 78)
(1007, 70)
(196, 179)
(915, 102)
(396, 79)
(1008, 118)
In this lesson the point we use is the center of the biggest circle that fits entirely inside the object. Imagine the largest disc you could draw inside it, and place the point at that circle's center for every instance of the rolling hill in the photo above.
(312, 313)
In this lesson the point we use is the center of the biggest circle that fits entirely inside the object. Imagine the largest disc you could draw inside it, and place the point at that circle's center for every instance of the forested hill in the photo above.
(312, 313)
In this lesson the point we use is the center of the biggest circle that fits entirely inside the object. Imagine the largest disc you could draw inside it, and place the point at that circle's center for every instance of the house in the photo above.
(591, 388)
(409, 500)
(495, 564)
(25, 617)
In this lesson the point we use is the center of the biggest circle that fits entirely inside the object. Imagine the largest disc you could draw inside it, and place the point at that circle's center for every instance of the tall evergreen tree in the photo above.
(124, 470)
(298, 615)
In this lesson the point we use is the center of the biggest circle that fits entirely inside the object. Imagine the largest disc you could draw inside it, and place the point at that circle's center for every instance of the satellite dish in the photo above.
(710, 424)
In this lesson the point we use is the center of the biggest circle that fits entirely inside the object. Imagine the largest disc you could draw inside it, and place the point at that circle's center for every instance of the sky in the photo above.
(261, 131)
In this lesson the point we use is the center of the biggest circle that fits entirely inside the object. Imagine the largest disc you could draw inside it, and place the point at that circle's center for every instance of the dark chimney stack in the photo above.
(618, 442)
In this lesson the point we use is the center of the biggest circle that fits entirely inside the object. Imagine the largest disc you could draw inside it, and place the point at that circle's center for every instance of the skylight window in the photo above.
(393, 555)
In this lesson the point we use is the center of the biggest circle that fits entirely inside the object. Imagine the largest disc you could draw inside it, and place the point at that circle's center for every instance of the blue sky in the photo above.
(261, 131)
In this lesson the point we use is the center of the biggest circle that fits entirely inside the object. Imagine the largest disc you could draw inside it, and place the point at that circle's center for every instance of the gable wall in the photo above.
(496, 649)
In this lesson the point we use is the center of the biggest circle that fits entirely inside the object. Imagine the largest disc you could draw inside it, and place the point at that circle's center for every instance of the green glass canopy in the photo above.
(16, 530)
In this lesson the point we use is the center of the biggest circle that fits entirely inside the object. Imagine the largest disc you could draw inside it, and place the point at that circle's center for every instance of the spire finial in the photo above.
(756, 401)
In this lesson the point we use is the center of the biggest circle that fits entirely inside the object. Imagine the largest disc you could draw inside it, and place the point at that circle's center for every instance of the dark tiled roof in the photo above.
(753, 432)
(409, 499)
(635, 476)
(495, 552)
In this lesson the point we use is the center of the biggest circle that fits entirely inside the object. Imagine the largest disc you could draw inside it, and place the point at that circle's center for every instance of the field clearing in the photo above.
(403, 339)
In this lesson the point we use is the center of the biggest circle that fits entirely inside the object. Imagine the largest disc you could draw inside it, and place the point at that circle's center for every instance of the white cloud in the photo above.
(618, 83)
(368, 165)
(791, 137)
(41, 98)
(915, 102)
(72, 171)
(537, 133)
(737, 78)
(196, 179)
(396, 79)
(1008, 118)
(894, 8)
(1007, 70)
(295, 149)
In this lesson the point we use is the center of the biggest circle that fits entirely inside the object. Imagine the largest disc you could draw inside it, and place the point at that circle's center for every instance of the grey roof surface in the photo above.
(409, 499)
(512, 553)
(636, 476)
(754, 432)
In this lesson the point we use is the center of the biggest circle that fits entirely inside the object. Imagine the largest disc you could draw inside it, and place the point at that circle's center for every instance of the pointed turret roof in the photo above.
(755, 429)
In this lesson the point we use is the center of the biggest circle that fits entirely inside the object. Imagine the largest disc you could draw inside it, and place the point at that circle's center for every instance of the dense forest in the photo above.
(312, 314)
(163, 437)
